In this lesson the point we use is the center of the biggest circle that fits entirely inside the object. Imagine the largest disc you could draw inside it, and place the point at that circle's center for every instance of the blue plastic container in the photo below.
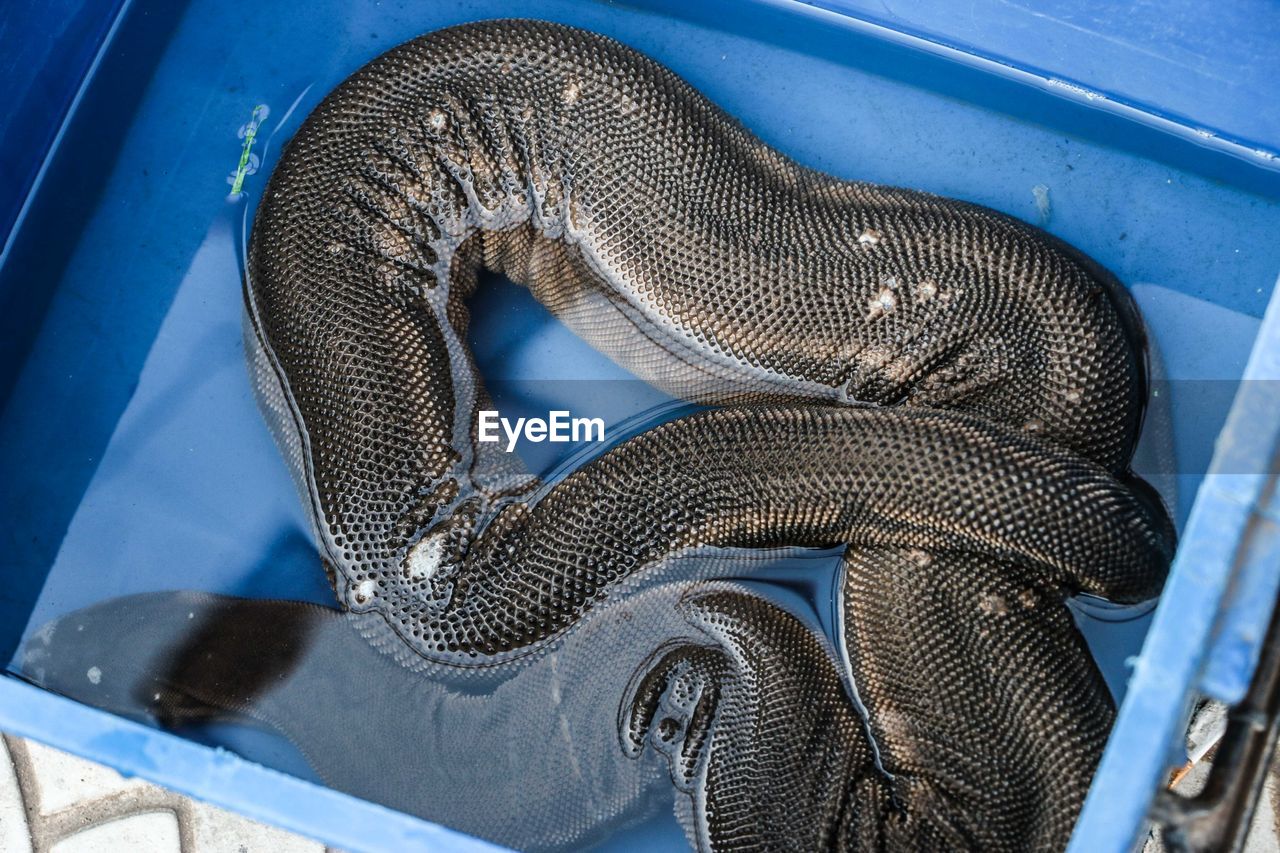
(1142, 137)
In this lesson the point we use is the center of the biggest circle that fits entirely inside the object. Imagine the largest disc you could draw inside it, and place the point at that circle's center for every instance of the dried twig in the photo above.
(1181, 773)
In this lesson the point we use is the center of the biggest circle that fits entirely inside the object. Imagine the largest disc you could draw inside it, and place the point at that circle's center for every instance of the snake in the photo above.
(950, 394)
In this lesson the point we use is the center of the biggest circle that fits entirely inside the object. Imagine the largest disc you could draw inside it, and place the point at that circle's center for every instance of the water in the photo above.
(133, 458)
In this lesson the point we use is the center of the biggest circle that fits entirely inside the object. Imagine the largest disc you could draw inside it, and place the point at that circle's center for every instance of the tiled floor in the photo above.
(52, 802)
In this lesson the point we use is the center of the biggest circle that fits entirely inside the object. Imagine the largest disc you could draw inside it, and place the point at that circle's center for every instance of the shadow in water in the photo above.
(921, 725)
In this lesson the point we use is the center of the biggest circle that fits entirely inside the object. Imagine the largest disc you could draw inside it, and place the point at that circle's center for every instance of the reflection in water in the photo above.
(739, 704)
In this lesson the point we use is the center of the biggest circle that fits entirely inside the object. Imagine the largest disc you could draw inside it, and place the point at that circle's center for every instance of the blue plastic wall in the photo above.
(1145, 122)
(46, 50)
(1214, 611)
(1205, 71)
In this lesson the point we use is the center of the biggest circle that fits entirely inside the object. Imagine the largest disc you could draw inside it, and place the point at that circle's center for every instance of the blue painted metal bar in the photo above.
(1251, 596)
(1224, 578)
(221, 778)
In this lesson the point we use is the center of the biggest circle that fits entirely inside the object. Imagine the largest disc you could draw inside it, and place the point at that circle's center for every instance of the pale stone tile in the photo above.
(64, 780)
(156, 832)
(219, 831)
(73, 792)
(13, 818)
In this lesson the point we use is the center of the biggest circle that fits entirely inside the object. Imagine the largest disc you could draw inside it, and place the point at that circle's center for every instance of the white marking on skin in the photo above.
(926, 290)
(424, 558)
(438, 120)
(993, 604)
(364, 591)
(1034, 425)
(1073, 395)
(869, 239)
(884, 302)
(95, 675)
(571, 92)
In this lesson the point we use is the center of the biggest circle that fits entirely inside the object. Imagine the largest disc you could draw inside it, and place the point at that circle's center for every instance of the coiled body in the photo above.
(665, 234)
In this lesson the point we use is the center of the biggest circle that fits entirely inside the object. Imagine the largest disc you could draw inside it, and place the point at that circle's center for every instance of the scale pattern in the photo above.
(898, 371)
(996, 788)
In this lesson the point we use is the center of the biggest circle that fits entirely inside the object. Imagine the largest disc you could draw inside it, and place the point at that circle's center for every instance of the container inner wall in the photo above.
(133, 458)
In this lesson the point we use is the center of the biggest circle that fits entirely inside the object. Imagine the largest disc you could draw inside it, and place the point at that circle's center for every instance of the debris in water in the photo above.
(248, 160)
(1043, 206)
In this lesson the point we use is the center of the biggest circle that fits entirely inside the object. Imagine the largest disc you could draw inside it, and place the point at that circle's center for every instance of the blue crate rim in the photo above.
(221, 778)
(1211, 620)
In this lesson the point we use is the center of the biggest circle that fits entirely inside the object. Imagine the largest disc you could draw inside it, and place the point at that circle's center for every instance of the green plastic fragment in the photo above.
(250, 133)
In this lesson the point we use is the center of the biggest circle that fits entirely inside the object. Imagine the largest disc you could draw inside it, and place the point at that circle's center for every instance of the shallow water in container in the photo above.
(133, 458)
